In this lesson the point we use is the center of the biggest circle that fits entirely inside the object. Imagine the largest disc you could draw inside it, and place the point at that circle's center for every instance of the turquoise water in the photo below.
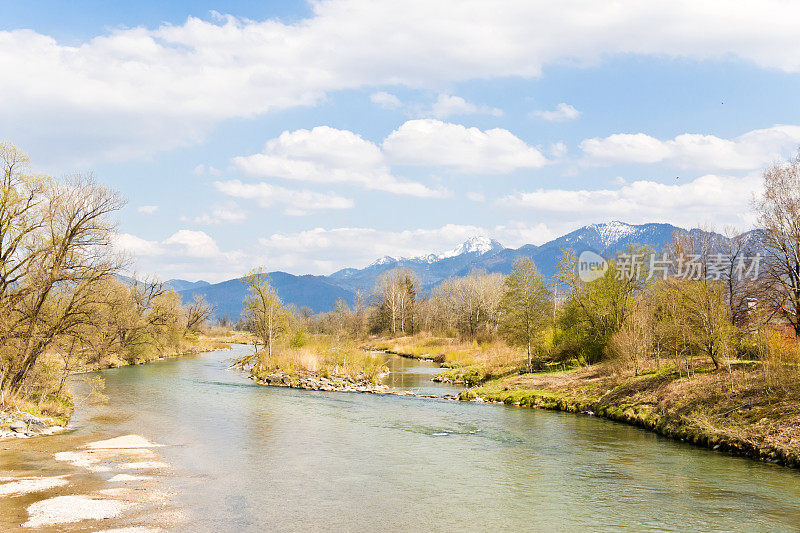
(248, 457)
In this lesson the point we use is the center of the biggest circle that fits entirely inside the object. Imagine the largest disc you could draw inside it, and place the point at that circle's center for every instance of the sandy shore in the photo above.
(111, 484)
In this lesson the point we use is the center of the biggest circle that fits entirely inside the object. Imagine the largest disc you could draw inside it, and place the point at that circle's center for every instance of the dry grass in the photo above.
(228, 336)
(470, 361)
(323, 357)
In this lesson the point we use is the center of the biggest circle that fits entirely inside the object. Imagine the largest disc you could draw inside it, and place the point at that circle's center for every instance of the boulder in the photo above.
(35, 425)
(18, 426)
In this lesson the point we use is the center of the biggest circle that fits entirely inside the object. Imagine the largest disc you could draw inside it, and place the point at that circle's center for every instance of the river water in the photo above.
(245, 457)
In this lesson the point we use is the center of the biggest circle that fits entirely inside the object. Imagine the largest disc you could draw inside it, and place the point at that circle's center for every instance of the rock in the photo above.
(18, 426)
(36, 425)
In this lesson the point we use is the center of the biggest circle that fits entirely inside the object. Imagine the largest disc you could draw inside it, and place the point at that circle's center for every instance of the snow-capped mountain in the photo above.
(385, 260)
(612, 232)
(483, 252)
(479, 244)
(476, 245)
(479, 252)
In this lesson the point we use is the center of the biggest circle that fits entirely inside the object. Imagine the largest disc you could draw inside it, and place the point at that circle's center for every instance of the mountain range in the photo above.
(319, 293)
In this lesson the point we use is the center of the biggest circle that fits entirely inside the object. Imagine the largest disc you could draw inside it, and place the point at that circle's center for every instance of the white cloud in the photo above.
(147, 209)
(749, 151)
(711, 199)
(562, 113)
(295, 202)
(476, 196)
(136, 90)
(447, 106)
(228, 214)
(328, 155)
(127, 243)
(185, 254)
(181, 244)
(385, 100)
(195, 255)
(201, 170)
(432, 142)
(193, 243)
(558, 150)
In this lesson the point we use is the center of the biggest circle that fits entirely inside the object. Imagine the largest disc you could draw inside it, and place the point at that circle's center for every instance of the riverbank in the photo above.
(88, 485)
(730, 412)
(31, 418)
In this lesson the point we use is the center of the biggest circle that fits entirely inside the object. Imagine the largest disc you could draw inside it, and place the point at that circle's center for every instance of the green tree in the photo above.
(263, 308)
(595, 310)
(525, 306)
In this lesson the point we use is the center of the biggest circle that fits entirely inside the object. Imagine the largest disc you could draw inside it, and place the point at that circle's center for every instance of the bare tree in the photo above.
(778, 211)
(53, 269)
(198, 312)
(395, 292)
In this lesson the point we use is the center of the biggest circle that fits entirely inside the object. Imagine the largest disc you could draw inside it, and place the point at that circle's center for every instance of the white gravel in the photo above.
(128, 477)
(33, 484)
(67, 509)
(120, 443)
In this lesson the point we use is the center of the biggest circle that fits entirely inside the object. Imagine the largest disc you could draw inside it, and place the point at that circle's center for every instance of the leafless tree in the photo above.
(778, 210)
(198, 312)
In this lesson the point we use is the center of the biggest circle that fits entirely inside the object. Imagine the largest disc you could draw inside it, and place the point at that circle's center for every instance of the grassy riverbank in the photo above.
(735, 412)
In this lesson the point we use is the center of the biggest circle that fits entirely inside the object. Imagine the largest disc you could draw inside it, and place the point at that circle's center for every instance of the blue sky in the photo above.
(308, 137)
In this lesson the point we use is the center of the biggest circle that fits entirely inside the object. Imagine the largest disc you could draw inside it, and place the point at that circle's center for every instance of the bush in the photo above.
(298, 340)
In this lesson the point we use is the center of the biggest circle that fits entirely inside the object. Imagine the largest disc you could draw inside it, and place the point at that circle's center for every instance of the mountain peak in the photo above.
(385, 260)
(611, 232)
(479, 244)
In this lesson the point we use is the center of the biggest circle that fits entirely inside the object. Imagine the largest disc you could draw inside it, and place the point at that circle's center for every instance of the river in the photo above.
(244, 457)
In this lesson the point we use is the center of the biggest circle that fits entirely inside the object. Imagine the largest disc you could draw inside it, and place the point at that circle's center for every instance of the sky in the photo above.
(312, 136)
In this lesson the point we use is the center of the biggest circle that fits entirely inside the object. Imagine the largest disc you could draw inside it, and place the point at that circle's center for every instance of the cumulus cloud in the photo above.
(136, 246)
(749, 151)
(136, 90)
(562, 113)
(447, 106)
(385, 100)
(193, 243)
(707, 199)
(295, 202)
(432, 142)
(147, 209)
(328, 155)
(181, 244)
(186, 254)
